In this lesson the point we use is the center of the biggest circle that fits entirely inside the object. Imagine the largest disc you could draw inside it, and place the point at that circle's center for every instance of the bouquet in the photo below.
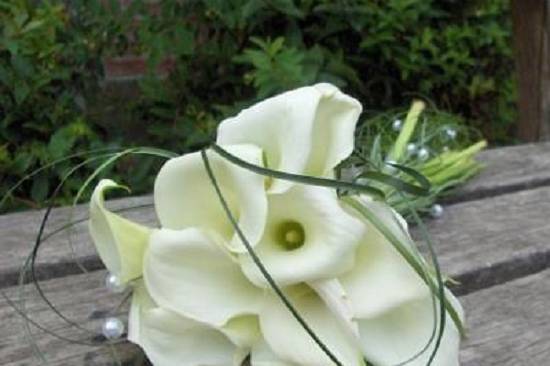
(266, 256)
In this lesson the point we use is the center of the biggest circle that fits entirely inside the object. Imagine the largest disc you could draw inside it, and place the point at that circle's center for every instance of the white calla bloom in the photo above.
(402, 332)
(392, 304)
(263, 355)
(290, 341)
(170, 339)
(203, 300)
(187, 272)
(308, 237)
(185, 197)
(380, 268)
(120, 243)
(304, 131)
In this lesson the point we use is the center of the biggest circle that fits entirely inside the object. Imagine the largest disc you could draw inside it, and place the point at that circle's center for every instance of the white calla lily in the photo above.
(304, 131)
(184, 196)
(290, 341)
(308, 237)
(187, 272)
(120, 243)
(402, 332)
(392, 304)
(380, 268)
(170, 339)
(263, 355)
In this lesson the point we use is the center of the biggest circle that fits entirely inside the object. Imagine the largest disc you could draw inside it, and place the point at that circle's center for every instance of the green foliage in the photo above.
(228, 54)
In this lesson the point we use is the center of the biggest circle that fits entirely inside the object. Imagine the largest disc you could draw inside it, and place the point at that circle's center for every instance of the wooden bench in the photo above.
(494, 238)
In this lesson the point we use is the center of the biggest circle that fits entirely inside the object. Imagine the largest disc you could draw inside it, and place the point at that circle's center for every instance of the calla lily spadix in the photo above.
(199, 298)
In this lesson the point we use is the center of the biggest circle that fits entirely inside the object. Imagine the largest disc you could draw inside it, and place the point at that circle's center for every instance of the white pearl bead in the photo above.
(112, 328)
(436, 211)
(411, 148)
(389, 167)
(423, 154)
(396, 125)
(450, 133)
(113, 284)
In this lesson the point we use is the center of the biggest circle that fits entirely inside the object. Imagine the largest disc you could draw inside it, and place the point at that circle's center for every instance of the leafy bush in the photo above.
(228, 55)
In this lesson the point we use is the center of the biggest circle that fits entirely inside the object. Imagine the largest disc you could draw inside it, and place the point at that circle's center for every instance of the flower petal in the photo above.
(337, 300)
(243, 331)
(308, 236)
(400, 333)
(289, 340)
(333, 132)
(185, 197)
(120, 243)
(186, 272)
(170, 339)
(262, 355)
(380, 269)
(304, 131)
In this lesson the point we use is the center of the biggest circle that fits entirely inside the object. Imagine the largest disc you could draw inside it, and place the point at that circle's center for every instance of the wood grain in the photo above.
(82, 299)
(509, 325)
(485, 242)
(507, 170)
(18, 233)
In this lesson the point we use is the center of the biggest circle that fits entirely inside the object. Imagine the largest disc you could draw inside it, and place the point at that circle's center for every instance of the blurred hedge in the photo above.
(230, 53)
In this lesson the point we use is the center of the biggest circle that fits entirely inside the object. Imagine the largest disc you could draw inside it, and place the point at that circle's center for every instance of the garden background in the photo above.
(94, 74)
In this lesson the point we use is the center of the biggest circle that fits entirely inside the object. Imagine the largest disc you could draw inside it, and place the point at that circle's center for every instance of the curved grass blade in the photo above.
(260, 265)
(397, 183)
(322, 182)
(440, 286)
(47, 166)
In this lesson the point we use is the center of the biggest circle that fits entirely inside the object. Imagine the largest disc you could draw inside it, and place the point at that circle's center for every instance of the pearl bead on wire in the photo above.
(396, 125)
(112, 328)
(436, 211)
(411, 148)
(450, 133)
(423, 154)
(113, 284)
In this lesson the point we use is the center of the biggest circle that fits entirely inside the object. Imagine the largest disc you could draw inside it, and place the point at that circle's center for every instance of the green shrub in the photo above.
(230, 53)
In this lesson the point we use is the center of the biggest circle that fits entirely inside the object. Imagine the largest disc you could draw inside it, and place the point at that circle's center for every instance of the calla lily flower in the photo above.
(392, 305)
(308, 237)
(173, 340)
(187, 273)
(291, 342)
(304, 131)
(184, 196)
(120, 243)
(203, 301)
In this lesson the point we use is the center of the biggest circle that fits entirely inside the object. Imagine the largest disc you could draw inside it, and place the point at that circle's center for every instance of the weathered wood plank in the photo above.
(509, 324)
(485, 242)
(18, 232)
(82, 299)
(507, 170)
